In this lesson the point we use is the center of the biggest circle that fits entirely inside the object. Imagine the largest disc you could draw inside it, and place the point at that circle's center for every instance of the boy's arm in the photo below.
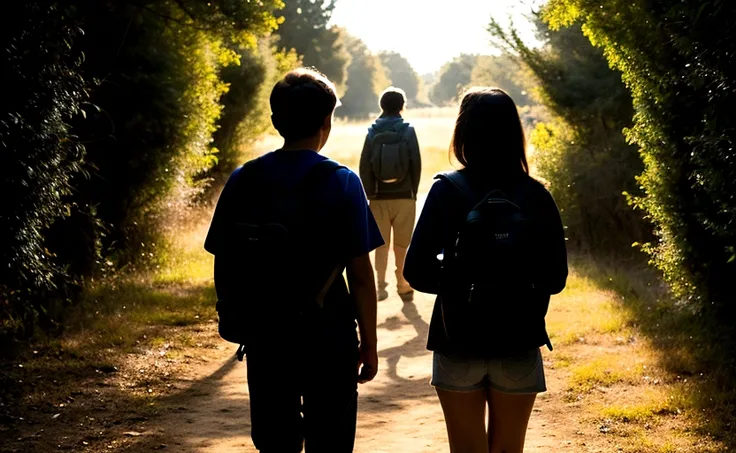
(416, 162)
(366, 171)
(363, 288)
(362, 236)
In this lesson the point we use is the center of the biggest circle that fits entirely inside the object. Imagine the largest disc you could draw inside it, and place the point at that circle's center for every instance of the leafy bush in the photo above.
(582, 151)
(677, 59)
(247, 113)
(44, 90)
(157, 100)
(139, 84)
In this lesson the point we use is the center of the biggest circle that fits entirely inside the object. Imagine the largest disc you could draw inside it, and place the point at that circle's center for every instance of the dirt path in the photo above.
(199, 401)
(399, 411)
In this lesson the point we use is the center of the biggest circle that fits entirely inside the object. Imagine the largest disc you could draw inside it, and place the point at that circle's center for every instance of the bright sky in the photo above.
(430, 32)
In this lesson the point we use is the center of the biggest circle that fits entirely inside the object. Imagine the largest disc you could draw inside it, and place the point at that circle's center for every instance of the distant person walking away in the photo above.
(390, 168)
(491, 245)
(286, 226)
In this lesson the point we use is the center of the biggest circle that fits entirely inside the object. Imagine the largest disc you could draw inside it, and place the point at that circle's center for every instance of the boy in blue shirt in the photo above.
(303, 365)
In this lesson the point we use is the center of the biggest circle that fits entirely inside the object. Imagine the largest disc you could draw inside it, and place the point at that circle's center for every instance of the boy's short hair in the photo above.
(300, 102)
(392, 100)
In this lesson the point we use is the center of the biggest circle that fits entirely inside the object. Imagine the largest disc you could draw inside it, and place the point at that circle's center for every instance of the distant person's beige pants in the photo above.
(399, 216)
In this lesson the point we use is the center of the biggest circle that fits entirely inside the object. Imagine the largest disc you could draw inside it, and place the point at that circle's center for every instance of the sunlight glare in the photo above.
(430, 33)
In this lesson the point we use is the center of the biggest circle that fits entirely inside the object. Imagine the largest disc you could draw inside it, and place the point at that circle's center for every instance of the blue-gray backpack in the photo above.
(486, 275)
(390, 156)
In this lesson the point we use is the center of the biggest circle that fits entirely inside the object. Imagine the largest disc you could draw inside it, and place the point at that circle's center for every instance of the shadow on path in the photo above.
(416, 347)
(211, 411)
(212, 414)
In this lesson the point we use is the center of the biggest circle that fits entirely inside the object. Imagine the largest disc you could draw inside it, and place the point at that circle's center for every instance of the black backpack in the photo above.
(269, 276)
(486, 280)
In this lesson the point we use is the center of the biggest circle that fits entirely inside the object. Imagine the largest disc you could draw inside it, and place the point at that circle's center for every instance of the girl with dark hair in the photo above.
(490, 244)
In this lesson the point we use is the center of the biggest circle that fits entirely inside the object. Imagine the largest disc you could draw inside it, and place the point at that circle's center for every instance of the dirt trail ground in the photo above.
(399, 411)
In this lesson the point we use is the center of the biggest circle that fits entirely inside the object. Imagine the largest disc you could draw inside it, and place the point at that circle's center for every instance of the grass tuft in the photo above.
(600, 372)
(639, 413)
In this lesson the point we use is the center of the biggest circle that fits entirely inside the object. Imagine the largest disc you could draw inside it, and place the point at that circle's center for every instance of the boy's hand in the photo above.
(363, 288)
(368, 364)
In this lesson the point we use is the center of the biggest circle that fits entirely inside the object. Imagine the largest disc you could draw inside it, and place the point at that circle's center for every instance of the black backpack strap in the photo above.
(461, 183)
(317, 174)
(407, 133)
(314, 176)
(247, 171)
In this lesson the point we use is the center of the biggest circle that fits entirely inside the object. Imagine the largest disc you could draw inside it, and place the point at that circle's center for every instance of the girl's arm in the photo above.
(554, 253)
(422, 268)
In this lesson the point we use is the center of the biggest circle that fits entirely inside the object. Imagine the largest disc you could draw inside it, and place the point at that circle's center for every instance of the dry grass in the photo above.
(619, 379)
(121, 349)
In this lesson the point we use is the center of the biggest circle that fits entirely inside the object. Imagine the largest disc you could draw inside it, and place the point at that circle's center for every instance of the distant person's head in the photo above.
(302, 104)
(392, 101)
(488, 133)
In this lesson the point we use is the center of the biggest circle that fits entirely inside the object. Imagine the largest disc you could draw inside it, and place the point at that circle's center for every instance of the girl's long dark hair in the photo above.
(488, 134)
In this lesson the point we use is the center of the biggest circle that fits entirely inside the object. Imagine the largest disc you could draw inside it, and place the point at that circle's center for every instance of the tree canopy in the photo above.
(504, 72)
(453, 77)
(305, 30)
(402, 74)
(367, 78)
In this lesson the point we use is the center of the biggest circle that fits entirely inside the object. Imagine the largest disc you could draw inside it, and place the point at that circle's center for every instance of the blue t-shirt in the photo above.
(342, 217)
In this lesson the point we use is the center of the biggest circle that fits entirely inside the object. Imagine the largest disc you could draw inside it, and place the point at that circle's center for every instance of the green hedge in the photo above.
(677, 59)
(582, 151)
(107, 123)
(43, 91)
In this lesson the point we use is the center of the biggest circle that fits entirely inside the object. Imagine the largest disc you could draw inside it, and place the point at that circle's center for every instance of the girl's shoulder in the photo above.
(537, 186)
(538, 198)
(446, 184)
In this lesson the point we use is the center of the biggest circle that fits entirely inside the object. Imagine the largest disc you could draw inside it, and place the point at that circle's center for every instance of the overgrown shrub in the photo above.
(246, 111)
(156, 100)
(39, 155)
(138, 83)
(582, 151)
(678, 59)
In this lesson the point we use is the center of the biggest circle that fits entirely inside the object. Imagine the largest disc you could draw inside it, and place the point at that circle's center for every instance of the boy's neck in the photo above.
(311, 143)
(390, 115)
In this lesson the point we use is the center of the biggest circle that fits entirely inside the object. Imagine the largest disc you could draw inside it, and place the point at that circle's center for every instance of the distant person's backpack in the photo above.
(390, 155)
(487, 279)
(269, 277)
